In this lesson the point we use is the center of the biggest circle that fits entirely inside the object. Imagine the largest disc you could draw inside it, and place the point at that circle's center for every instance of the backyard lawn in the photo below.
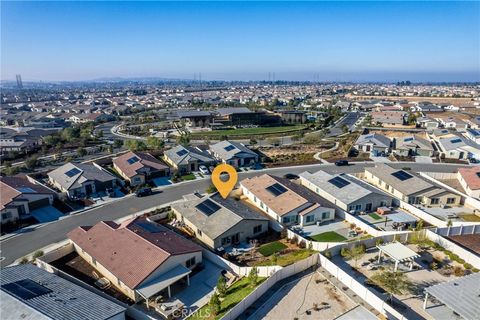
(189, 176)
(236, 293)
(271, 248)
(375, 216)
(470, 217)
(289, 258)
(329, 236)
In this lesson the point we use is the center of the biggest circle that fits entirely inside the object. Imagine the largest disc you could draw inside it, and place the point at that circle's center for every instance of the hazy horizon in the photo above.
(243, 41)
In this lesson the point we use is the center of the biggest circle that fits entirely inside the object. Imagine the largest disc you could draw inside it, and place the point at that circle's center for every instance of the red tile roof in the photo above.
(146, 160)
(12, 187)
(471, 176)
(133, 249)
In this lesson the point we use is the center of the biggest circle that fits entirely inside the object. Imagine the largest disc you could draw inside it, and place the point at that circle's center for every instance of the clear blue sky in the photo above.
(419, 41)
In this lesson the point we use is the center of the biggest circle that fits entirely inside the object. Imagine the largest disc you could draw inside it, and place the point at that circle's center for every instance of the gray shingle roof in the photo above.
(66, 301)
(179, 157)
(412, 142)
(375, 139)
(88, 172)
(226, 150)
(231, 212)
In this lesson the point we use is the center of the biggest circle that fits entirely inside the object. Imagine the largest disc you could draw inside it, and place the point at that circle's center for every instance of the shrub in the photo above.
(379, 242)
(433, 266)
(293, 240)
(475, 270)
(467, 266)
(458, 271)
(327, 254)
(24, 260)
(345, 252)
(38, 254)
(302, 244)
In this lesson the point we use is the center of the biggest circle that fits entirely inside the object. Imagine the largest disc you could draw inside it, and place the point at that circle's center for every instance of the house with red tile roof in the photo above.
(139, 257)
(139, 167)
(469, 178)
(19, 195)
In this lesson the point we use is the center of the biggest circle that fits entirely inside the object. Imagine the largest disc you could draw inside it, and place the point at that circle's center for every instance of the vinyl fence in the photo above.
(359, 289)
(281, 274)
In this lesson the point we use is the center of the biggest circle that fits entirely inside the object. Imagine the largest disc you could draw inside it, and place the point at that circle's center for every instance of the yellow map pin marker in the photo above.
(224, 187)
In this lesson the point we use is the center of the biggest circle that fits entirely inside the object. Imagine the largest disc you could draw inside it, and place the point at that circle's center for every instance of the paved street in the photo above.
(349, 120)
(26, 243)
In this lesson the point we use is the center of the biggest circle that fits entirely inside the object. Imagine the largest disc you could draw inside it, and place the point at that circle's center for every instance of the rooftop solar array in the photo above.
(26, 190)
(133, 159)
(72, 172)
(339, 182)
(25, 289)
(208, 207)
(229, 148)
(408, 139)
(456, 140)
(402, 175)
(182, 152)
(148, 226)
(276, 189)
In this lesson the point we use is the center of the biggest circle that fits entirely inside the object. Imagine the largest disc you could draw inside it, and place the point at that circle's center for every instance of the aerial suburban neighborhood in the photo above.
(344, 186)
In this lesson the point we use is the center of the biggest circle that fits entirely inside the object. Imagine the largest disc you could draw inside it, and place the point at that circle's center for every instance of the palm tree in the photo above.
(394, 282)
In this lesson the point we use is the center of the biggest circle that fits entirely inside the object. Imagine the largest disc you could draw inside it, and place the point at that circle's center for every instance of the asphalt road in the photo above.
(349, 120)
(28, 242)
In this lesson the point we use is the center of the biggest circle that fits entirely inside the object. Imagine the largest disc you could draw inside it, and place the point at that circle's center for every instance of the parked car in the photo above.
(203, 170)
(341, 163)
(143, 192)
(291, 176)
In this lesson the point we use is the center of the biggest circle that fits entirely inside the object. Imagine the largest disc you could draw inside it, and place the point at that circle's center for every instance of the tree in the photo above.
(253, 141)
(117, 143)
(419, 225)
(31, 163)
(214, 304)
(449, 223)
(393, 282)
(345, 128)
(155, 143)
(81, 152)
(135, 145)
(184, 139)
(313, 138)
(221, 286)
(355, 253)
(253, 277)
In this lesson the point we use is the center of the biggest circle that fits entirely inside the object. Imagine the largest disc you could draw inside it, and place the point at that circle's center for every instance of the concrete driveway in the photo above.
(421, 159)
(46, 214)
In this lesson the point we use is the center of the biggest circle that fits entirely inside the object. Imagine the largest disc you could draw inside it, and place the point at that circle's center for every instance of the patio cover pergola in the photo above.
(462, 295)
(397, 252)
(165, 280)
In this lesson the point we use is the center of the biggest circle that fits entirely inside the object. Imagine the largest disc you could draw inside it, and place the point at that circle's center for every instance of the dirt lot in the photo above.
(291, 155)
(446, 115)
(439, 100)
(398, 134)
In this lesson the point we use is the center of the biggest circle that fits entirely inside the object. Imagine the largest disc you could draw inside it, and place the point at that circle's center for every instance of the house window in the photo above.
(450, 200)
(350, 208)
(325, 215)
(310, 218)
(119, 282)
(225, 240)
(257, 229)
(286, 219)
(358, 207)
(318, 190)
(6, 215)
(190, 262)
(94, 261)
(199, 232)
(435, 201)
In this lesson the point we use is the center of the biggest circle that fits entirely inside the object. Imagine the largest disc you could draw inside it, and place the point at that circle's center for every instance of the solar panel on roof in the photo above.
(402, 175)
(276, 189)
(229, 148)
(26, 190)
(208, 207)
(26, 289)
(408, 139)
(133, 159)
(339, 182)
(72, 172)
(148, 226)
(182, 152)
(456, 140)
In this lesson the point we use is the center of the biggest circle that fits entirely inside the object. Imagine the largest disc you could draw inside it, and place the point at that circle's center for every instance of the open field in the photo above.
(250, 132)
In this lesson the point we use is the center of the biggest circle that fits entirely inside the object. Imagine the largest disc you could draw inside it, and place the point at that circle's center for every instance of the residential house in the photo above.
(413, 146)
(187, 159)
(469, 178)
(139, 167)
(219, 222)
(233, 153)
(376, 144)
(81, 180)
(454, 123)
(293, 116)
(13, 140)
(28, 292)
(428, 123)
(90, 117)
(139, 257)
(473, 134)
(457, 147)
(20, 195)
(286, 202)
(346, 192)
(410, 188)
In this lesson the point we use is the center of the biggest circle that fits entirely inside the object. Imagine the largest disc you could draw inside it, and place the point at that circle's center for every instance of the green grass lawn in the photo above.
(289, 258)
(329, 236)
(236, 293)
(470, 217)
(189, 176)
(375, 216)
(249, 131)
(271, 248)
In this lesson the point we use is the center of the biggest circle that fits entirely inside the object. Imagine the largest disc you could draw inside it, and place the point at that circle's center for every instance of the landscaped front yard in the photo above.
(329, 236)
(236, 293)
